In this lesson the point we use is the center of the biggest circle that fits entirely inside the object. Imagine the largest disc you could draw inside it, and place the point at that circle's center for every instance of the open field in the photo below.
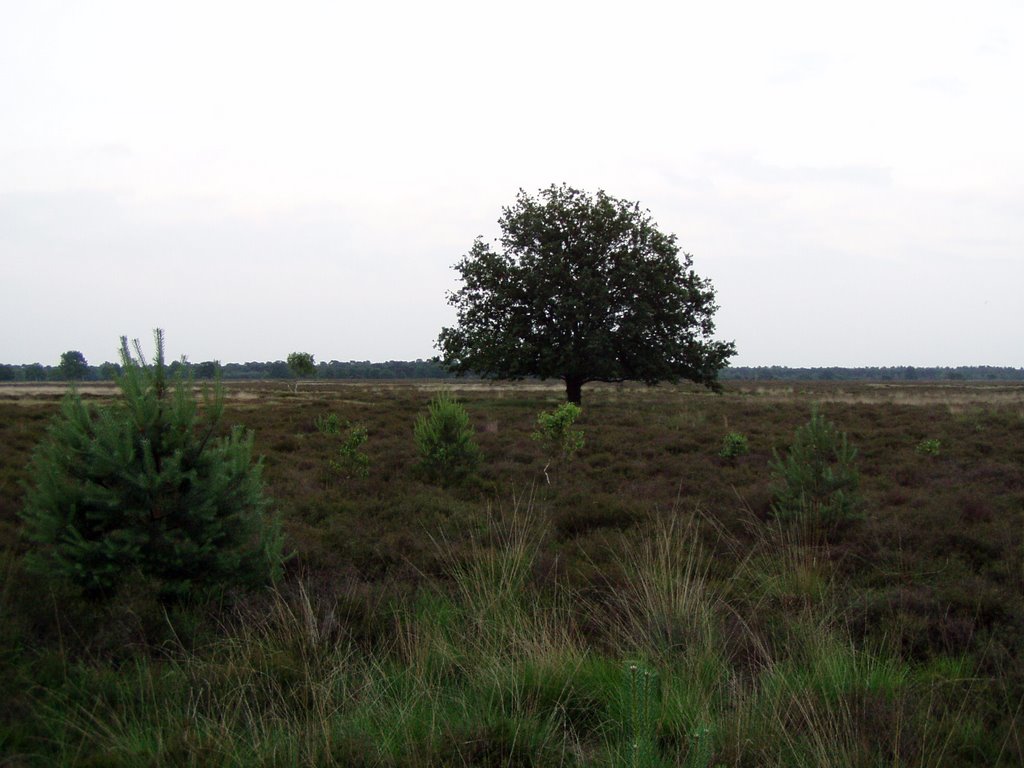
(642, 608)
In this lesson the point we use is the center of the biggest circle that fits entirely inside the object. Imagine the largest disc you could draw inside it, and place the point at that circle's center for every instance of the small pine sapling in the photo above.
(444, 437)
(144, 487)
(817, 480)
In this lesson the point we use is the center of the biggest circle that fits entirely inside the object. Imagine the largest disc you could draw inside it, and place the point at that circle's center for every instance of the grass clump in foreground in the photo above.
(492, 667)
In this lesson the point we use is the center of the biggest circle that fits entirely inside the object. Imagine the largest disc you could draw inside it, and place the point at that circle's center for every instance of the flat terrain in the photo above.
(921, 598)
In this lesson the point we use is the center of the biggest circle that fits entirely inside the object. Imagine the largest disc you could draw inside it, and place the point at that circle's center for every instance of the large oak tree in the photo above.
(583, 288)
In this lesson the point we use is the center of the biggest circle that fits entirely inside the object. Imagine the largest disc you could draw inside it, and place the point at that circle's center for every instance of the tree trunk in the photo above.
(574, 390)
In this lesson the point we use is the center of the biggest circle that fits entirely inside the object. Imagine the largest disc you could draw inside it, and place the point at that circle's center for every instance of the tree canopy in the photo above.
(73, 365)
(301, 364)
(583, 288)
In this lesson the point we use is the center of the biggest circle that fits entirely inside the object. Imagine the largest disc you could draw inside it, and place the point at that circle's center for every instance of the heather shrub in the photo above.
(817, 480)
(146, 487)
(444, 437)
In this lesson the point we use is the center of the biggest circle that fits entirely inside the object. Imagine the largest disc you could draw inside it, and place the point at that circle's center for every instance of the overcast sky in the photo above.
(260, 178)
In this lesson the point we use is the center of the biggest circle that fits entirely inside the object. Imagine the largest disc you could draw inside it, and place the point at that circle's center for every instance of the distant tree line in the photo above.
(78, 370)
(74, 368)
(873, 373)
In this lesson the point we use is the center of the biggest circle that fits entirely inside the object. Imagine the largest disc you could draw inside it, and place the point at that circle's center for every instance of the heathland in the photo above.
(637, 604)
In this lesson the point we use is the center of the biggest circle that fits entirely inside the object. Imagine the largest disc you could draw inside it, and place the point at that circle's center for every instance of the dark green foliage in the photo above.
(109, 371)
(145, 485)
(444, 437)
(207, 370)
(584, 289)
(817, 481)
(73, 366)
(35, 372)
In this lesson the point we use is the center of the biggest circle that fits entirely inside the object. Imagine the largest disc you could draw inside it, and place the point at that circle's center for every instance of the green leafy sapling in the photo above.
(302, 366)
(556, 433)
(734, 445)
(351, 460)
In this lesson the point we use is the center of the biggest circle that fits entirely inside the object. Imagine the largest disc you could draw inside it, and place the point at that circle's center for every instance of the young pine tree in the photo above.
(144, 487)
(448, 453)
(817, 480)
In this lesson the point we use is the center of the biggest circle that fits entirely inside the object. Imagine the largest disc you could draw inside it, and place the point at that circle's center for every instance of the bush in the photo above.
(328, 424)
(929, 447)
(734, 445)
(448, 453)
(555, 432)
(817, 480)
(143, 487)
(351, 461)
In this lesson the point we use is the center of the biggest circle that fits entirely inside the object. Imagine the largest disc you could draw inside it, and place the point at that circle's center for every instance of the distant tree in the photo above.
(7, 373)
(143, 486)
(302, 366)
(73, 366)
(585, 288)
